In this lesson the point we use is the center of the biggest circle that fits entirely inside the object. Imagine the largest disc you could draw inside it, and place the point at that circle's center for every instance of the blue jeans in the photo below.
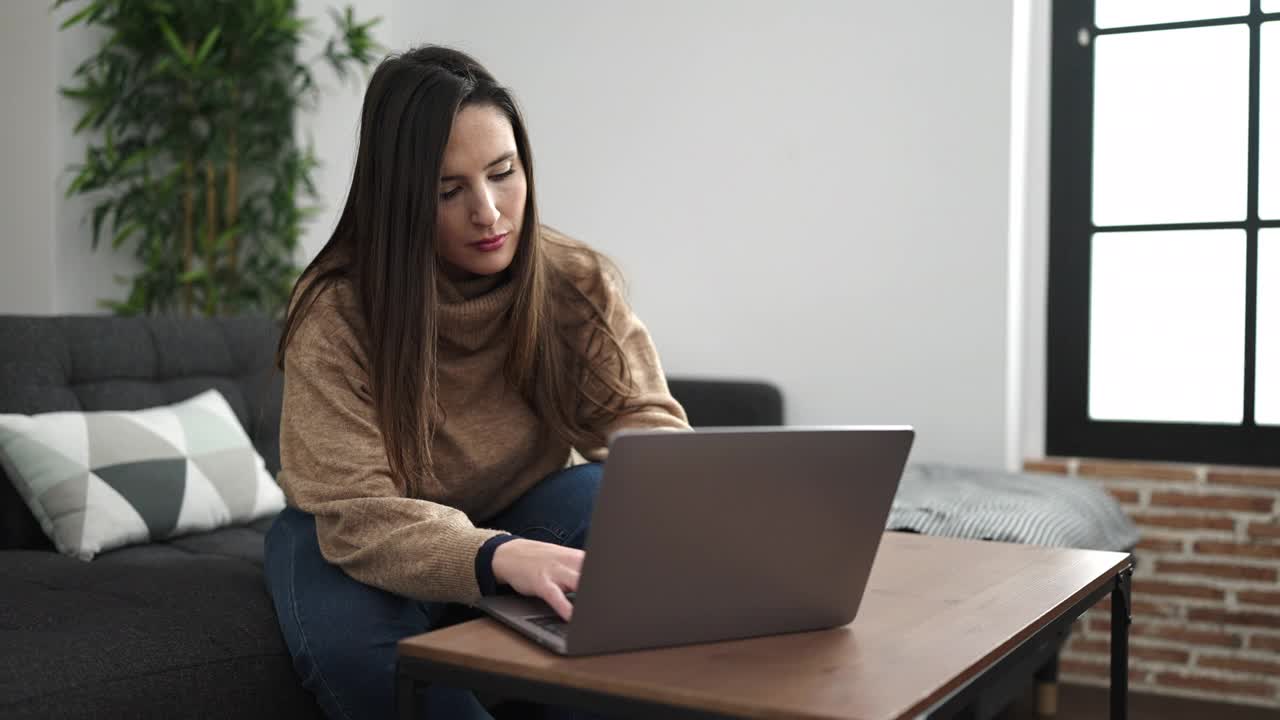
(342, 634)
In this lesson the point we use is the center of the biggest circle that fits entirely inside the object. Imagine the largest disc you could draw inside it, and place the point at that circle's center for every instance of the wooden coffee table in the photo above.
(942, 621)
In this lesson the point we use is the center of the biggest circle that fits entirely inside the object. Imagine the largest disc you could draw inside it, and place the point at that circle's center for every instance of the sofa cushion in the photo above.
(100, 480)
(179, 628)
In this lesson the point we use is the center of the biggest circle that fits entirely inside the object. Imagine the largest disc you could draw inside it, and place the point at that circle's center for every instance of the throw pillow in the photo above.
(102, 480)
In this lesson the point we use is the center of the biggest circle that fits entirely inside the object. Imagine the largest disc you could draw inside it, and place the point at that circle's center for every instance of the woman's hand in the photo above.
(539, 569)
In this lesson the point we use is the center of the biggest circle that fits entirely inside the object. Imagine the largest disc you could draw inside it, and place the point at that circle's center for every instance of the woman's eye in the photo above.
(503, 175)
(450, 193)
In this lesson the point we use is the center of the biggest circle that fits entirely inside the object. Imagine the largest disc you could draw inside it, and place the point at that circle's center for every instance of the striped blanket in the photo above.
(937, 499)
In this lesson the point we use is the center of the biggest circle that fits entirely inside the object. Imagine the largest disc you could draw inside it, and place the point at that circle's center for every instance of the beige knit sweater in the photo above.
(490, 450)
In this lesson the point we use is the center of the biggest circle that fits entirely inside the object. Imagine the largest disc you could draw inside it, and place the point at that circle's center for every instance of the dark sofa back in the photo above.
(728, 403)
(59, 363)
(96, 362)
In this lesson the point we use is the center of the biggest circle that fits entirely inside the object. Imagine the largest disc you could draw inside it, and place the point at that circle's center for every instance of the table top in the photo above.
(937, 611)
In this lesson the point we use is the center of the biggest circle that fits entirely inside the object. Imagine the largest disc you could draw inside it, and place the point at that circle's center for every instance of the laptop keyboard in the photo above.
(551, 623)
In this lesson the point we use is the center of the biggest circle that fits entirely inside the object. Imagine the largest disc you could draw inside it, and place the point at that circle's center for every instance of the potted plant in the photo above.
(194, 160)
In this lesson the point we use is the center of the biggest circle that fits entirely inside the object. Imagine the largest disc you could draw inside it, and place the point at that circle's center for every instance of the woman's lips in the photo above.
(491, 243)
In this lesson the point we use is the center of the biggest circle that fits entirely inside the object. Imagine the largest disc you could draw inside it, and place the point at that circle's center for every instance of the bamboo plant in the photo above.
(194, 161)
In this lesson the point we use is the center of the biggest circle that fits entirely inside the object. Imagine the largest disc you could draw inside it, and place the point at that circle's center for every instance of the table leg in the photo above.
(1120, 619)
(1045, 704)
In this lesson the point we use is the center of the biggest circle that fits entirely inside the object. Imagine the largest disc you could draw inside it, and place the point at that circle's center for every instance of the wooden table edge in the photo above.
(686, 700)
(696, 701)
(1124, 563)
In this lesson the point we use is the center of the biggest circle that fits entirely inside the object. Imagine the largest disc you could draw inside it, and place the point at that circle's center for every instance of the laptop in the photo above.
(724, 533)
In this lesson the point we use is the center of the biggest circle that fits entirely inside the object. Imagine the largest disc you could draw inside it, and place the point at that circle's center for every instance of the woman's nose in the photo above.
(485, 212)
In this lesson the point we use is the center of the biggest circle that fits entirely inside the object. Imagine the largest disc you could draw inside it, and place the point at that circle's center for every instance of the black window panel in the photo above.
(1069, 430)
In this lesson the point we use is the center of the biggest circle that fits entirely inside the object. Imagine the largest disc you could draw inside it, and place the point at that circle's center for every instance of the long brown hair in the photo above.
(563, 357)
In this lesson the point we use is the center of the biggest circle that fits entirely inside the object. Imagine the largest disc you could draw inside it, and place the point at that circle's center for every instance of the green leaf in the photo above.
(136, 158)
(110, 145)
(207, 45)
(292, 25)
(175, 43)
(123, 234)
(82, 178)
(79, 93)
(91, 9)
(91, 117)
(192, 276)
(224, 237)
(99, 213)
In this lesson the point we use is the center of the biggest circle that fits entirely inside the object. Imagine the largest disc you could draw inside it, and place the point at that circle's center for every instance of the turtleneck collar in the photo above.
(473, 313)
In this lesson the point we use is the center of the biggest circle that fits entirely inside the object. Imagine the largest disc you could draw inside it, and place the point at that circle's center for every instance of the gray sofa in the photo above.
(183, 627)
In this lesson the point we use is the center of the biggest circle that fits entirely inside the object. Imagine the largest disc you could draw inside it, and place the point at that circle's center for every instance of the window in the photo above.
(1164, 249)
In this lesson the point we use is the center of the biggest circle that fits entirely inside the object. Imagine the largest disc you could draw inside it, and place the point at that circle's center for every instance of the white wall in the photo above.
(816, 195)
(26, 157)
(47, 264)
(1035, 228)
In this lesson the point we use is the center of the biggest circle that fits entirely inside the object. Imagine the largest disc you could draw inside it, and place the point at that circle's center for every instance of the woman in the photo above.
(443, 355)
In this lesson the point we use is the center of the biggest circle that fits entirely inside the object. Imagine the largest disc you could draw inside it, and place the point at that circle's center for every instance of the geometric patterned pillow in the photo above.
(102, 480)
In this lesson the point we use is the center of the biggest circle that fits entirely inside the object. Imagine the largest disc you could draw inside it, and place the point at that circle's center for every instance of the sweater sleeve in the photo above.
(334, 466)
(652, 407)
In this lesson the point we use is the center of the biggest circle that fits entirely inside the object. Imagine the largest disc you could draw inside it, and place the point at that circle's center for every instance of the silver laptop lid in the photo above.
(733, 532)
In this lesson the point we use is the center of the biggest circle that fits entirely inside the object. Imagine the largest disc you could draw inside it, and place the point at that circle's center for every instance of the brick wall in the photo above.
(1206, 592)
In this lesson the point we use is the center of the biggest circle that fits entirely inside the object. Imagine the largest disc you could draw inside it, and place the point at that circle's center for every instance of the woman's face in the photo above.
(482, 195)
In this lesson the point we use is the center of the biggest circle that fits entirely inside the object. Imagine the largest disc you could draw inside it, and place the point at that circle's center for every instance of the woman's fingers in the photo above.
(573, 559)
(543, 570)
(560, 580)
(553, 595)
(567, 578)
